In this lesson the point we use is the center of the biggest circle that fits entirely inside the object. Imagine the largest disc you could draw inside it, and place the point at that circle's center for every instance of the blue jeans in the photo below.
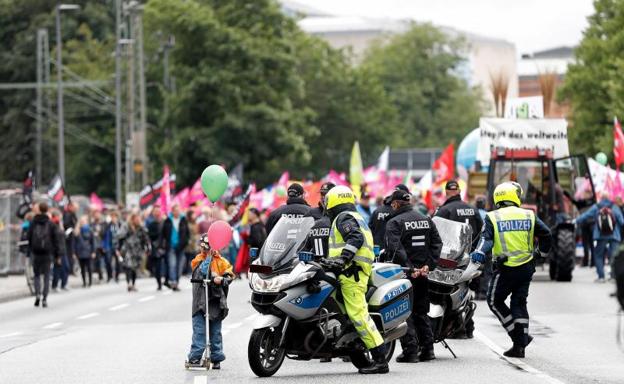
(600, 252)
(174, 262)
(60, 272)
(198, 343)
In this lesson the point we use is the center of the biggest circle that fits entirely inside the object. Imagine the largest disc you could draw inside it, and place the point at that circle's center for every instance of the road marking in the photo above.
(200, 380)
(251, 317)
(147, 298)
(233, 325)
(87, 316)
(167, 293)
(516, 362)
(53, 325)
(118, 307)
(11, 334)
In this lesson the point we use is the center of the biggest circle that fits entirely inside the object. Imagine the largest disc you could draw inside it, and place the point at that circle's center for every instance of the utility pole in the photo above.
(43, 76)
(131, 123)
(118, 127)
(142, 137)
(59, 94)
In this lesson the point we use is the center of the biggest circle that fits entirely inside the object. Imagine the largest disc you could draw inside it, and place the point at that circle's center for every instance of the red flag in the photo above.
(165, 192)
(444, 166)
(618, 143)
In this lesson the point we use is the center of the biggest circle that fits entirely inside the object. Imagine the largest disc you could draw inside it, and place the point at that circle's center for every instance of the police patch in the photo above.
(346, 227)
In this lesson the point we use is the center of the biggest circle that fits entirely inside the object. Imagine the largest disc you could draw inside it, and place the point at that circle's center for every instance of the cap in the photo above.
(295, 190)
(326, 187)
(401, 187)
(400, 195)
(452, 185)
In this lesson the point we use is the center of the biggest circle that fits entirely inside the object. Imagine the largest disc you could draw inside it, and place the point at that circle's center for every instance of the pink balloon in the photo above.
(219, 234)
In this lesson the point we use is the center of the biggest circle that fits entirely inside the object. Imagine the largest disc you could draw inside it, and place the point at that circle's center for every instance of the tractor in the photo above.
(555, 189)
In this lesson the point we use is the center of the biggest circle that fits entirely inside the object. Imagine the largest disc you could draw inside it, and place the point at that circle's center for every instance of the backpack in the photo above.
(41, 241)
(606, 221)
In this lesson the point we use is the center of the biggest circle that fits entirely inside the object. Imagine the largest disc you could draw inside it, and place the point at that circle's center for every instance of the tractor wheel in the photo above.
(565, 254)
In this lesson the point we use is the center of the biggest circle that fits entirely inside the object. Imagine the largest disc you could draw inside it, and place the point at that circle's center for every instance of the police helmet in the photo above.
(339, 195)
(509, 192)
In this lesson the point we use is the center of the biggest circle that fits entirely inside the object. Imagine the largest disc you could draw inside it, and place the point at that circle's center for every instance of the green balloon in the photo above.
(214, 182)
(601, 158)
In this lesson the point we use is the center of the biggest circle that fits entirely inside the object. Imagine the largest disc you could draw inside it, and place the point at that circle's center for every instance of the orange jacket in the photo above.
(219, 265)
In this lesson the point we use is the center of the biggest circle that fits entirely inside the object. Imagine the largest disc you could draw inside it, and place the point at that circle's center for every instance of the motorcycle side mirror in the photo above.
(253, 253)
(376, 250)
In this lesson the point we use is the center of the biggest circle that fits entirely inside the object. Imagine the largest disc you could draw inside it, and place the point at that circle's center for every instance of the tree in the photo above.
(593, 85)
(418, 70)
(236, 88)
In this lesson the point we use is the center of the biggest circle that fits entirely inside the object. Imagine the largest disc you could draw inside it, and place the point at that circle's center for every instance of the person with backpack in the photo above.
(607, 231)
(44, 248)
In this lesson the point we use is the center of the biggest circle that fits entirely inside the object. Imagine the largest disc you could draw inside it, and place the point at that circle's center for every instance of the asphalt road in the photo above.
(107, 335)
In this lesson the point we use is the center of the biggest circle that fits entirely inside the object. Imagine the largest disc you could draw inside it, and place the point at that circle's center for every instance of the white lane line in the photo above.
(118, 307)
(233, 325)
(53, 325)
(251, 317)
(200, 380)
(87, 316)
(516, 362)
(147, 298)
(11, 334)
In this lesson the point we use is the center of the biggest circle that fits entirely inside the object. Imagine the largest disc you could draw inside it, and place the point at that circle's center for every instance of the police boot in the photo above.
(407, 357)
(515, 351)
(380, 365)
(426, 354)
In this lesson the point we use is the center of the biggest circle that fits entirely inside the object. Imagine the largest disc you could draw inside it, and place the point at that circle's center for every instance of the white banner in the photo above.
(522, 134)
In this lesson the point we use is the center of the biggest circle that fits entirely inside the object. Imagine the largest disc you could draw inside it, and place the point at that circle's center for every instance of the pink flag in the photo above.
(181, 198)
(165, 192)
(336, 178)
(96, 203)
(196, 193)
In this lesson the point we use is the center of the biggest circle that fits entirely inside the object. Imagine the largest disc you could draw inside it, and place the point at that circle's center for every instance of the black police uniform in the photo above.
(316, 213)
(456, 210)
(413, 241)
(377, 223)
(318, 238)
(294, 207)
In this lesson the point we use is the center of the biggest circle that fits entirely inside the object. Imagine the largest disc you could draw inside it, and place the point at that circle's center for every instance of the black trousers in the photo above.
(130, 276)
(85, 271)
(587, 236)
(512, 281)
(419, 332)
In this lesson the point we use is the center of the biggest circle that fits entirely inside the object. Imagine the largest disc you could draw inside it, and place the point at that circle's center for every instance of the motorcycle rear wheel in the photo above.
(263, 352)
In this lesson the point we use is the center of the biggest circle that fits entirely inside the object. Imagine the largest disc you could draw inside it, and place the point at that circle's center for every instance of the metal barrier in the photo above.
(11, 261)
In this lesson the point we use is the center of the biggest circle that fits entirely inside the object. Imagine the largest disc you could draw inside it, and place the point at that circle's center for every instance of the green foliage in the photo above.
(418, 70)
(594, 86)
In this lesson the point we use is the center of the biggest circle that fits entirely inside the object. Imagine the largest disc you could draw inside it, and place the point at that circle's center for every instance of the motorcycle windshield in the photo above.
(456, 238)
(281, 246)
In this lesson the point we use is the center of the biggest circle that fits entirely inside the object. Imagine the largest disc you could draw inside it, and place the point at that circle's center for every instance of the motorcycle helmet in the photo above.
(339, 195)
(508, 192)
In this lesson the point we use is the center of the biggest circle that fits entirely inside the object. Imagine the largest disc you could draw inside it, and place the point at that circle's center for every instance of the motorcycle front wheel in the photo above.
(264, 354)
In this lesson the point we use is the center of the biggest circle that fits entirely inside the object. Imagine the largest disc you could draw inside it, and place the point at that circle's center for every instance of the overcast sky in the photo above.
(532, 25)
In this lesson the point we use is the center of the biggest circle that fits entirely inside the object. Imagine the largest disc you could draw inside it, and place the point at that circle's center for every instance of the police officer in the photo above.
(509, 233)
(318, 238)
(380, 217)
(456, 210)
(351, 255)
(295, 206)
(413, 241)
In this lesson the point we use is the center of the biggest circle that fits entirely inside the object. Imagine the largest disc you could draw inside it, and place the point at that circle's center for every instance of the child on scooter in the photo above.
(211, 265)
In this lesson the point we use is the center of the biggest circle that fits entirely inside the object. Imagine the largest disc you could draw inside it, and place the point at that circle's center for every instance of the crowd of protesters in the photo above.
(103, 246)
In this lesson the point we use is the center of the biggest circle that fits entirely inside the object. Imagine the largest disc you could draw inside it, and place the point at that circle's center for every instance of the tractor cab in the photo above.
(555, 189)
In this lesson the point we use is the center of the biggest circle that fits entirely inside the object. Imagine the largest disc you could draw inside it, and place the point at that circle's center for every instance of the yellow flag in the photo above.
(356, 174)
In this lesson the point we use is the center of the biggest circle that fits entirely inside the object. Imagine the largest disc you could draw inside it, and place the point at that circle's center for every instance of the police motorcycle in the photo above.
(302, 315)
(451, 300)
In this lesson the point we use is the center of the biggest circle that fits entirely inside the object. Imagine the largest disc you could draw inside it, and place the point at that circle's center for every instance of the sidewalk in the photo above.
(14, 287)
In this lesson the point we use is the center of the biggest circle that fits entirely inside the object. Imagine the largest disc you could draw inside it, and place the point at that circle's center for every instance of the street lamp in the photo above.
(59, 80)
